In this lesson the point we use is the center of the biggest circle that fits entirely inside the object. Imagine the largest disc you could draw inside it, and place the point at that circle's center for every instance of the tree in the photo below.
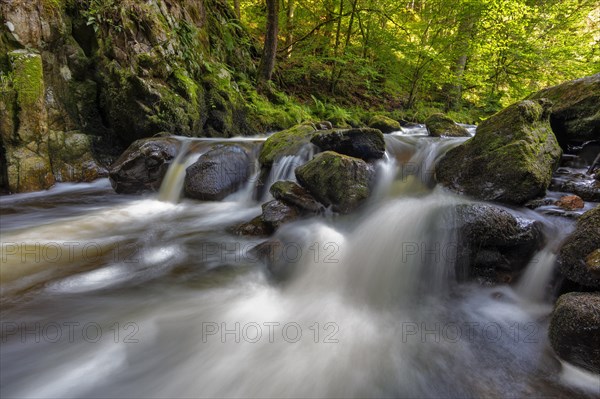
(269, 54)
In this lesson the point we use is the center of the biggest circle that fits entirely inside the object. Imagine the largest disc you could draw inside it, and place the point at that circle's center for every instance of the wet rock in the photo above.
(367, 144)
(580, 184)
(440, 125)
(510, 159)
(324, 125)
(255, 228)
(574, 115)
(592, 262)
(276, 213)
(570, 202)
(338, 180)
(492, 242)
(536, 203)
(143, 165)
(286, 142)
(575, 329)
(217, 173)
(578, 247)
(72, 157)
(293, 194)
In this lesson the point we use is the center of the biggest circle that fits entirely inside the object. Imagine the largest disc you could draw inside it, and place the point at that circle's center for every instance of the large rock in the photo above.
(578, 247)
(440, 125)
(575, 329)
(217, 173)
(291, 193)
(366, 143)
(72, 157)
(275, 213)
(338, 180)
(575, 114)
(286, 142)
(493, 243)
(510, 159)
(384, 124)
(143, 165)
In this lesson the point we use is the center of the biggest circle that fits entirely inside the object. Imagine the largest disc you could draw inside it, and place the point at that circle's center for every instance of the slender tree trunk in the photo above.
(346, 43)
(289, 26)
(236, 8)
(267, 61)
(336, 47)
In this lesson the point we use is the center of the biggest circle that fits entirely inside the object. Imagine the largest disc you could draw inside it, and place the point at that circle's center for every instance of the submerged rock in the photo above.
(440, 125)
(384, 124)
(338, 180)
(573, 254)
(286, 142)
(217, 173)
(510, 159)
(275, 213)
(142, 167)
(493, 243)
(291, 193)
(570, 202)
(575, 115)
(367, 144)
(255, 228)
(580, 184)
(575, 329)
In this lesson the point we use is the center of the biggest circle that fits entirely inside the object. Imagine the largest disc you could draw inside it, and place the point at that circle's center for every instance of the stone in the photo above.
(510, 159)
(439, 125)
(286, 142)
(384, 124)
(292, 193)
(366, 143)
(570, 202)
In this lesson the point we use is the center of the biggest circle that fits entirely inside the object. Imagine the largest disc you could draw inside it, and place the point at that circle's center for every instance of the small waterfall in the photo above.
(422, 163)
(172, 184)
(283, 168)
(538, 273)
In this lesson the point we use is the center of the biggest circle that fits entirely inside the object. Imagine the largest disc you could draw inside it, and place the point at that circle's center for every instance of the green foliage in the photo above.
(103, 14)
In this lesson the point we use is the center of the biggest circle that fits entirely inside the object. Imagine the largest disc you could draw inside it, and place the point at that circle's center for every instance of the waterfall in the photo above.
(538, 273)
(283, 168)
(172, 184)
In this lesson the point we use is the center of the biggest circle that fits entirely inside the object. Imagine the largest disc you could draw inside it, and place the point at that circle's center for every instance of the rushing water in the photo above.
(106, 295)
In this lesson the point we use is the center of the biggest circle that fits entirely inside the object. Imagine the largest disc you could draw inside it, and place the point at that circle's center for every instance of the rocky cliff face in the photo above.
(82, 79)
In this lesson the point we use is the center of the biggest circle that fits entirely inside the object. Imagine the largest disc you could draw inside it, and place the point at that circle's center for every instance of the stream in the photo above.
(107, 295)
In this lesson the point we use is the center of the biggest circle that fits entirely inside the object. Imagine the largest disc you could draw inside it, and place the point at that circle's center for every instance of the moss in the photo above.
(286, 142)
(441, 125)
(28, 76)
(385, 124)
(186, 86)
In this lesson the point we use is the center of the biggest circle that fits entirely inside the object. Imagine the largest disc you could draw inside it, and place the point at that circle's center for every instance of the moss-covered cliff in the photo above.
(118, 71)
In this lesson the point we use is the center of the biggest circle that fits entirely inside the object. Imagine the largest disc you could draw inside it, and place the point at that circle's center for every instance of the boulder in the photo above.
(367, 144)
(384, 124)
(510, 159)
(275, 213)
(584, 241)
(255, 228)
(440, 125)
(585, 186)
(493, 244)
(217, 173)
(286, 142)
(291, 193)
(143, 165)
(575, 329)
(575, 114)
(570, 202)
(338, 180)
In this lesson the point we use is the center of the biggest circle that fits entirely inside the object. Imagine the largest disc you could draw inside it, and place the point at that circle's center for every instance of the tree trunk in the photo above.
(267, 61)
(289, 26)
(236, 8)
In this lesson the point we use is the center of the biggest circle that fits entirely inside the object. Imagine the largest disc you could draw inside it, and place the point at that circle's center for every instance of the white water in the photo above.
(374, 297)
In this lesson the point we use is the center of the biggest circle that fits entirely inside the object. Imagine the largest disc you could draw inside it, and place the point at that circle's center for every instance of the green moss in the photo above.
(286, 142)
(28, 76)
(441, 125)
(385, 124)
(186, 85)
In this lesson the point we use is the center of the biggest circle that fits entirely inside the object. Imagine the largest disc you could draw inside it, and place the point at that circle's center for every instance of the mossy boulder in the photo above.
(27, 170)
(440, 125)
(286, 142)
(142, 167)
(573, 255)
(510, 159)
(217, 173)
(367, 143)
(385, 124)
(575, 329)
(293, 194)
(575, 114)
(338, 180)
